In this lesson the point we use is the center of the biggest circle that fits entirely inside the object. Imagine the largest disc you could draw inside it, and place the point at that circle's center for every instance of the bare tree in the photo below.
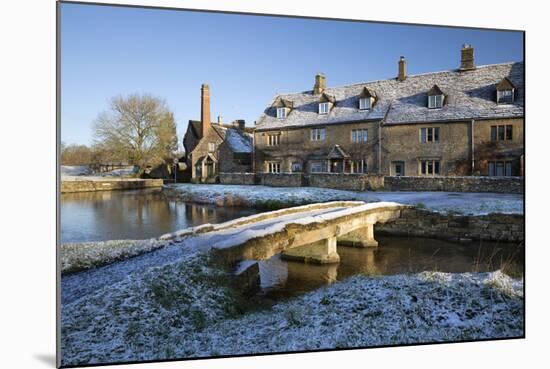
(138, 129)
(75, 154)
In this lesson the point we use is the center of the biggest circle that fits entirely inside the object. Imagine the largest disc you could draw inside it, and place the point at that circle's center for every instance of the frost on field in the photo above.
(190, 308)
(76, 257)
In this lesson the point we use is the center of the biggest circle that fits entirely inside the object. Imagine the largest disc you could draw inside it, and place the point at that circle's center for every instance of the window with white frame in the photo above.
(429, 134)
(318, 134)
(364, 103)
(435, 101)
(323, 108)
(273, 167)
(359, 166)
(273, 139)
(429, 167)
(505, 97)
(359, 135)
(211, 147)
(318, 167)
(281, 113)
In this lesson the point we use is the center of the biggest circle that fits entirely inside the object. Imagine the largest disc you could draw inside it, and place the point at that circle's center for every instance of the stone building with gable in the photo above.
(214, 147)
(466, 121)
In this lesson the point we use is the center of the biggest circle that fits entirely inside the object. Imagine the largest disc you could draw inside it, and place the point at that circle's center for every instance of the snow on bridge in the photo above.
(308, 233)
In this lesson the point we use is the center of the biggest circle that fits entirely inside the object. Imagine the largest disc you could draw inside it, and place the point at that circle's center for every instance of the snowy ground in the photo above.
(83, 172)
(262, 196)
(172, 303)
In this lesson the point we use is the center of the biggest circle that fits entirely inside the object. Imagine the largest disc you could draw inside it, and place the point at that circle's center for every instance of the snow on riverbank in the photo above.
(277, 197)
(188, 308)
(84, 173)
(77, 257)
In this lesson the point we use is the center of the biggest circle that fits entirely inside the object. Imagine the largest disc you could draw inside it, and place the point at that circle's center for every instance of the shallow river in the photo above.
(140, 214)
(136, 214)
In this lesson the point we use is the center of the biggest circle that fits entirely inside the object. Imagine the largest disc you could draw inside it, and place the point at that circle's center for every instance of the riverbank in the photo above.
(181, 305)
(92, 184)
(270, 198)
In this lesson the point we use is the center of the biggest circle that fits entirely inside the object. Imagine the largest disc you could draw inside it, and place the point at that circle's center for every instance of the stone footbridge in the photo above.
(308, 233)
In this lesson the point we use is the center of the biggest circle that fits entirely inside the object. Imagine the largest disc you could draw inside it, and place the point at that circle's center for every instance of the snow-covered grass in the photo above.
(84, 173)
(75, 170)
(76, 257)
(189, 308)
(264, 197)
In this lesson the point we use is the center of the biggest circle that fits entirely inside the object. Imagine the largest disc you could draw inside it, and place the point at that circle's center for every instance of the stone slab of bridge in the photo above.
(309, 233)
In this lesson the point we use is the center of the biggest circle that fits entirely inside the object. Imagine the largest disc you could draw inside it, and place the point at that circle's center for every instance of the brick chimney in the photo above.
(402, 70)
(467, 58)
(320, 84)
(205, 109)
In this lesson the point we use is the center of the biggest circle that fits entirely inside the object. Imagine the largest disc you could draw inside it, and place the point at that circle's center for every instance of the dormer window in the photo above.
(505, 91)
(435, 98)
(505, 97)
(367, 99)
(435, 102)
(326, 102)
(281, 113)
(282, 107)
(364, 103)
(323, 108)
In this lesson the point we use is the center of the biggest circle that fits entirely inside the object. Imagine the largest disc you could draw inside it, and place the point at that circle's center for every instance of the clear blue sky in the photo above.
(108, 51)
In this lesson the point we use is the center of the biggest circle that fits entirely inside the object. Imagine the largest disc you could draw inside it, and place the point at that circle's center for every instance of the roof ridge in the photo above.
(456, 70)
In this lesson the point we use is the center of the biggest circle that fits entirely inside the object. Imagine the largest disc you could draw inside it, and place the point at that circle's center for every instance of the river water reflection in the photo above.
(140, 214)
(394, 255)
(137, 214)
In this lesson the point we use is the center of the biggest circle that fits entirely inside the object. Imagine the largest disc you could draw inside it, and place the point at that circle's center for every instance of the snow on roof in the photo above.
(238, 141)
(471, 95)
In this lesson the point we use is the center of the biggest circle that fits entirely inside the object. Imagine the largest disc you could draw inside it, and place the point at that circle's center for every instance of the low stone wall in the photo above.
(108, 184)
(238, 178)
(455, 184)
(424, 223)
(281, 179)
(352, 182)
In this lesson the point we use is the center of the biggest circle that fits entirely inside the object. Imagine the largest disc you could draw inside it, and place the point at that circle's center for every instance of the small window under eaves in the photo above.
(435, 101)
(281, 113)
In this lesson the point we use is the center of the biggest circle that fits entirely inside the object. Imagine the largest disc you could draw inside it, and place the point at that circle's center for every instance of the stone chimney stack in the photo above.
(220, 120)
(467, 58)
(239, 124)
(320, 84)
(205, 109)
(402, 70)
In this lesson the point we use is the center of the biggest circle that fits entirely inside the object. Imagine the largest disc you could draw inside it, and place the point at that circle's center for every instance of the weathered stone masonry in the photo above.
(424, 223)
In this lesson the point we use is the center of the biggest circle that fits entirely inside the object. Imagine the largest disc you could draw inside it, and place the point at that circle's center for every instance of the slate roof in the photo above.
(469, 95)
(238, 141)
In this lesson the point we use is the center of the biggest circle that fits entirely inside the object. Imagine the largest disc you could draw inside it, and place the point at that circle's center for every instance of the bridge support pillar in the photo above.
(362, 237)
(321, 252)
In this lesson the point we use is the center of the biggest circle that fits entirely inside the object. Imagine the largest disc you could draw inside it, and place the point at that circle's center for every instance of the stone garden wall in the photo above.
(108, 184)
(238, 178)
(352, 182)
(455, 184)
(424, 223)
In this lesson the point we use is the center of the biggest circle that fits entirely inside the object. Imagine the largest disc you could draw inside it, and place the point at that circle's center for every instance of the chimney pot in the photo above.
(402, 70)
(320, 84)
(467, 58)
